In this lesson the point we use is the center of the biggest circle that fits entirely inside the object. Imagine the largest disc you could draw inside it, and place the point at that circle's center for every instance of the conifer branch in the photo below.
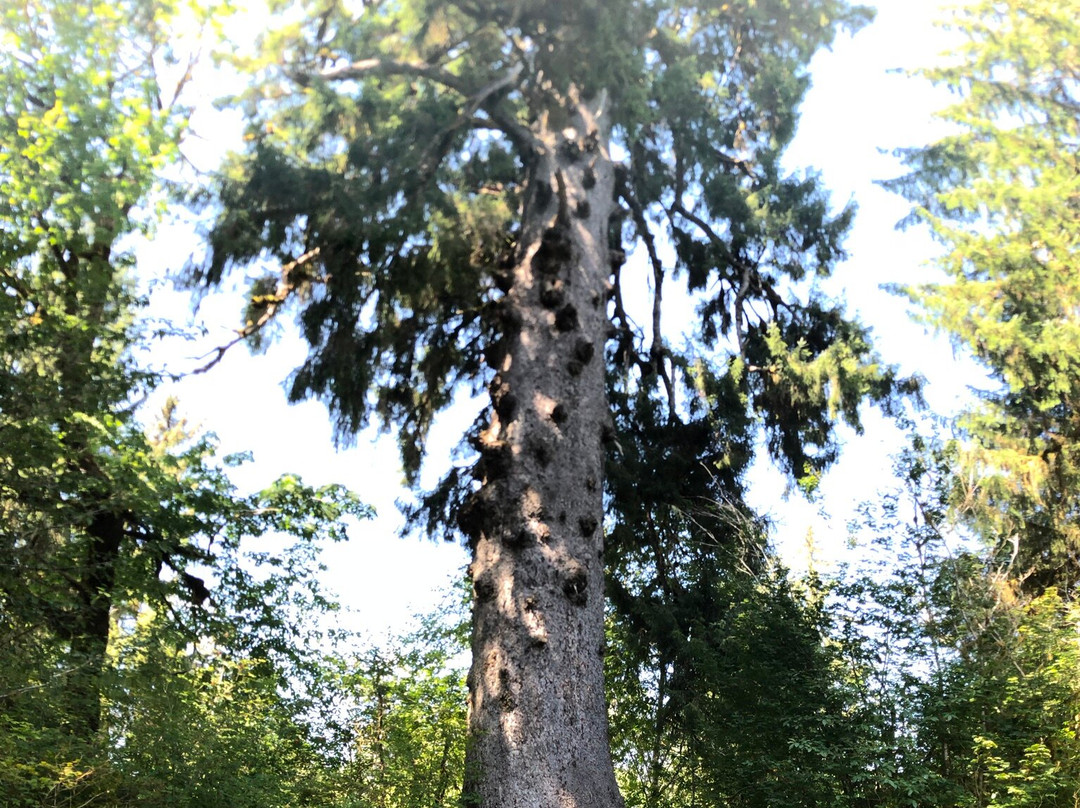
(391, 67)
(745, 271)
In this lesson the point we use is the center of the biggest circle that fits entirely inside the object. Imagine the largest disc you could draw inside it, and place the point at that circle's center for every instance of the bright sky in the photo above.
(856, 109)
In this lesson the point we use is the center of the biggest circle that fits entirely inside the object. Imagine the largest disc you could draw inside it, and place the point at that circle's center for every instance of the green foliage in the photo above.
(1002, 195)
(408, 747)
(968, 687)
(997, 714)
(195, 699)
(146, 648)
(1023, 749)
(727, 698)
(82, 132)
(191, 725)
(80, 142)
(726, 684)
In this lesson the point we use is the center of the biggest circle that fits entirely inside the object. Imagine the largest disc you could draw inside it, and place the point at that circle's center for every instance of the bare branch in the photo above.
(656, 349)
(48, 681)
(625, 328)
(184, 80)
(467, 117)
(735, 162)
(505, 121)
(392, 67)
(284, 290)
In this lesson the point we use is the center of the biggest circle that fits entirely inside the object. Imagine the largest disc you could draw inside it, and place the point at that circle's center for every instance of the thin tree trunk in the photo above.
(656, 765)
(88, 623)
(91, 622)
(443, 783)
(538, 732)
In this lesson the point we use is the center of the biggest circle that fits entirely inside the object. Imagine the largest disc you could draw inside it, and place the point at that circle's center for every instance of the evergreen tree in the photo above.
(448, 193)
(1002, 194)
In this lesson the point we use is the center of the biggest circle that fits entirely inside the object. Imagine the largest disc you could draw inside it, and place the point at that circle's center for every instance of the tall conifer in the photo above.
(448, 193)
(1003, 195)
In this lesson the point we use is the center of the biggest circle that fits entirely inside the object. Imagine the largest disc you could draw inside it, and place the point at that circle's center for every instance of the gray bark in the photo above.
(538, 732)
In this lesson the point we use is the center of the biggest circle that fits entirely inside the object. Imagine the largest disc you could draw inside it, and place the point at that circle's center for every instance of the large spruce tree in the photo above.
(489, 195)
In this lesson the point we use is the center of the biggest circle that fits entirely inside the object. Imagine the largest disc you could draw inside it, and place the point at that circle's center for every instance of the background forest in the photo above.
(165, 639)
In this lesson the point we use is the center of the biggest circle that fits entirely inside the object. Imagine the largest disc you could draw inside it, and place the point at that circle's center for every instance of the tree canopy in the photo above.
(414, 119)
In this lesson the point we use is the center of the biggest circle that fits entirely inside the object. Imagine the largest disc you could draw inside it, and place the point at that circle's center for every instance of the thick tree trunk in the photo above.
(538, 731)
